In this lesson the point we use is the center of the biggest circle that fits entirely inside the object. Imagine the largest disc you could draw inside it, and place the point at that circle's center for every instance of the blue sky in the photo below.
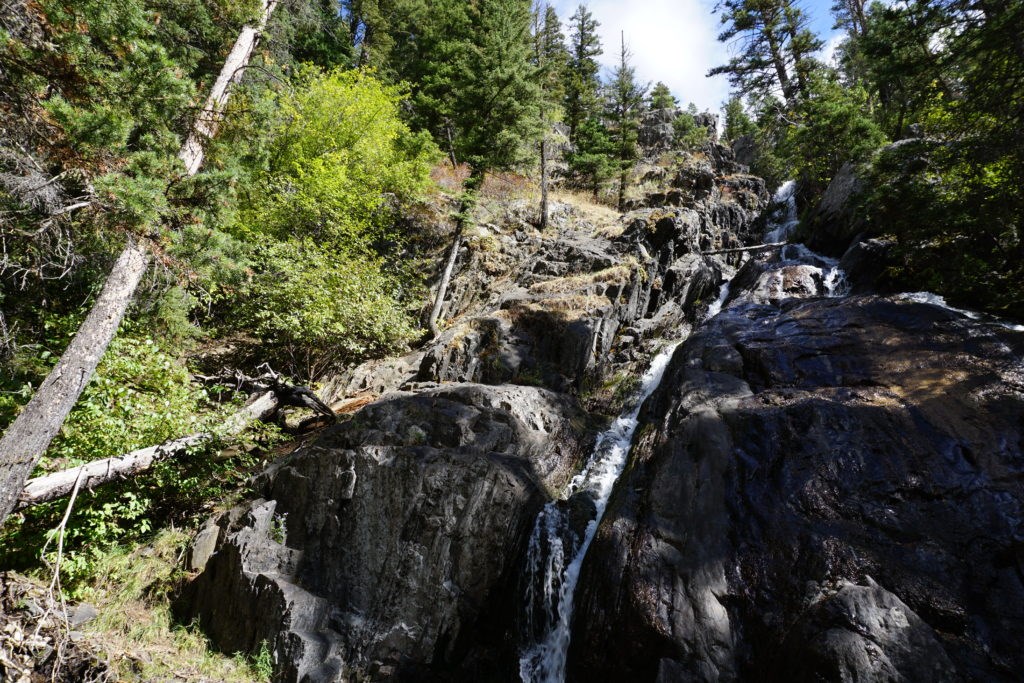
(674, 41)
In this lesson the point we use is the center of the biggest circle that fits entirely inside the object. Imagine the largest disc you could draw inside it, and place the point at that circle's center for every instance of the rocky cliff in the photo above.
(823, 487)
(392, 545)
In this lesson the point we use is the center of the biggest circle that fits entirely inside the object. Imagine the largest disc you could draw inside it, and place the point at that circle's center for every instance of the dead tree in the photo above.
(28, 437)
(59, 484)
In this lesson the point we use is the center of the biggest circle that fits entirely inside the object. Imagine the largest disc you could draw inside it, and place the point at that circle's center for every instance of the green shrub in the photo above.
(313, 309)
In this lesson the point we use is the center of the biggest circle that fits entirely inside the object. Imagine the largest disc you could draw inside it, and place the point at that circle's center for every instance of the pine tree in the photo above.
(625, 104)
(481, 93)
(737, 122)
(583, 83)
(551, 59)
(662, 97)
(773, 48)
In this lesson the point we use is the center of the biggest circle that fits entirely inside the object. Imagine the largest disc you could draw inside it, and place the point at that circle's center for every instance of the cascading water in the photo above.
(833, 277)
(556, 553)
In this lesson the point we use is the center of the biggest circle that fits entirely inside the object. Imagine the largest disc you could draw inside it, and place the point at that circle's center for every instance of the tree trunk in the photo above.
(28, 437)
(59, 484)
(544, 183)
(780, 67)
(32, 431)
(442, 287)
(736, 250)
(194, 150)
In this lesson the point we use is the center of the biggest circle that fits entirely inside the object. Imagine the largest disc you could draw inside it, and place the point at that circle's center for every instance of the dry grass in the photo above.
(135, 630)
(618, 275)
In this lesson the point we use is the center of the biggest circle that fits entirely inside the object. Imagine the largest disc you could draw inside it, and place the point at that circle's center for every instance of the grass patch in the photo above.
(135, 630)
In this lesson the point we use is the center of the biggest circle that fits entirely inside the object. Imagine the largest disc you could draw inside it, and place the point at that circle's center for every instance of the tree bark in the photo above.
(442, 287)
(193, 151)
(32, 431)
(544, 183)
(59, 484)
(736, 250)
(28, 437)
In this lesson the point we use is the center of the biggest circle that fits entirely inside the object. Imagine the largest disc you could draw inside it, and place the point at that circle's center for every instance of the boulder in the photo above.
(392, 541)
(827, 489)
(835, 221)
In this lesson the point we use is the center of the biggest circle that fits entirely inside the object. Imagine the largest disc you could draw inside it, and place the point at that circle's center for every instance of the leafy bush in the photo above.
(140, 396)
(956, 218)
(313, 309)
(336, 157)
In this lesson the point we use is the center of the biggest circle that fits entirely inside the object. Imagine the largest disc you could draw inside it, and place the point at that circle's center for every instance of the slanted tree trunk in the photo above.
(59, 484)
(28, 437)
(446, 278)
(193, 151)
(469, 190)
(544, 182)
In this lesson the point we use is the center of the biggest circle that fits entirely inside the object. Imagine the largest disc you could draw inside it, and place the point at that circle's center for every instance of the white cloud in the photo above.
(671, 40)
(828, 52)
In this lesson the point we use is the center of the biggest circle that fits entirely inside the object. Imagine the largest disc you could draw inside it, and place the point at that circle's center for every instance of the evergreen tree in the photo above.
(497, 114)
(551, 59)
(379, 27)
(624, 107)
(737, 122)
(550, 53)
(773, 48)
(662, 97)
(583, 83)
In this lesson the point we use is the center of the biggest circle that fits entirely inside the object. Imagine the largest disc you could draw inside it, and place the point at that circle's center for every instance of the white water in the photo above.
(833, 277)
(936, 300)
(785, 195)
(557, 566)
(716, 306)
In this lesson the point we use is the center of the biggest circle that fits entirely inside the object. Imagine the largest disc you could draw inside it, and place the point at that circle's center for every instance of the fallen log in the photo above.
(736, 250)
(59, 484)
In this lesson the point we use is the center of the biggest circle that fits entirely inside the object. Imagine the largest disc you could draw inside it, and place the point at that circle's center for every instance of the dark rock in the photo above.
(744, 148)
(828, 489)
(392, 538)
(865, 264)
(835, 221)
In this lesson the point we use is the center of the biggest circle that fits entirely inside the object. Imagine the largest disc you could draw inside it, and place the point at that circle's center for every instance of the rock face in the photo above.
(835, 221)
(387, 543)
(828, 489)
(391, 545)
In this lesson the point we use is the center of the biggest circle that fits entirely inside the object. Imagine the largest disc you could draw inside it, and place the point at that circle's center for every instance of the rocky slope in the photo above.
(392, 545)
(823, 488)
(827, 490)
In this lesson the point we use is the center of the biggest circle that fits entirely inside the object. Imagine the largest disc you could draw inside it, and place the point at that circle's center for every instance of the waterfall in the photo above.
(556, 554)
(716, 306)
(783, 228)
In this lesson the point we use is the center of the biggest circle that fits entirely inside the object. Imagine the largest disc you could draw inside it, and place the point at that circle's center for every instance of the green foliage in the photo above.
(263, 662)
(688, 134)
(661, 97)
(314, 309)
(773, 48)
(583, 83)
(737, 122)
(591, 160)
(624, 106)
(336, 151)
(140, 396)
(956, 222)
(835, 129)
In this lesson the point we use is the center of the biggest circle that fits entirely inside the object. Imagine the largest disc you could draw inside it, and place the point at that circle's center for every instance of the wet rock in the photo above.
(390, 541)
(827, 489)
(835, 221)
